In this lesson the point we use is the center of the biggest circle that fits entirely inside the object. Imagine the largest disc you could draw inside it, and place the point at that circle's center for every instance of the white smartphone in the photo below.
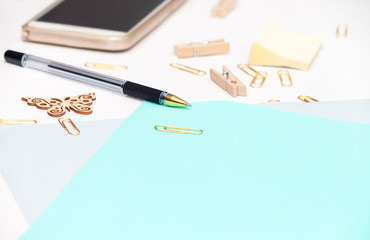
(111, 25)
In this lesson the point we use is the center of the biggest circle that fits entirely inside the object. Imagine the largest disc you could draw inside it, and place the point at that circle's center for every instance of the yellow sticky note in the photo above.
(276, 45)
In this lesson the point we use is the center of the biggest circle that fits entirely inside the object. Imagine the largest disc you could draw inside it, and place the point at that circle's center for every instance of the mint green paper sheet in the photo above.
(255, 173)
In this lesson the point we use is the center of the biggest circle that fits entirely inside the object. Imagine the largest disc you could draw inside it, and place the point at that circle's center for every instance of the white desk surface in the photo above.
(340, 71)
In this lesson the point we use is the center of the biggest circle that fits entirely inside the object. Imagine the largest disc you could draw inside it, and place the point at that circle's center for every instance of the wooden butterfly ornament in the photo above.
(57, 107)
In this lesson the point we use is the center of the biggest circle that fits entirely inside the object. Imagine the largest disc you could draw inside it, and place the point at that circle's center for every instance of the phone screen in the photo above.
(118, 15)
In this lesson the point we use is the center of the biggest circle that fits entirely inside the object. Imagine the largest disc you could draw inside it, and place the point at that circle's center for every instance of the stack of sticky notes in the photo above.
(276, 45)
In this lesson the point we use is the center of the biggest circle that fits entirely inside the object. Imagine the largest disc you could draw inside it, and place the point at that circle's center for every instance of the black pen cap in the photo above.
(14, 57)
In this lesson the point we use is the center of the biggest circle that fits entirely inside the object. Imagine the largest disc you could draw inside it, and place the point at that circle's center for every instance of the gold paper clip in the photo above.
(180, 130)
(305, 98)
(342, 31)
(188, 69)
(287, 83)
(273, 100)
(63, 120)
(259, 80)
(246, 68)
(16, 121)
(105, 66)
(258, 77)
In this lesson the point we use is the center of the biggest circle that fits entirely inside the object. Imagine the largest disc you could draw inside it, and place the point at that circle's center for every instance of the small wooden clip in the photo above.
(223, 8)
(229, 82)
(342, 31)
(205, 48)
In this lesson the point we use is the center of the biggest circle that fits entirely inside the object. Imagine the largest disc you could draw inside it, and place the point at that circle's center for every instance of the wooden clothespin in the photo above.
(223, 8)
(202, 48)
(228, 82)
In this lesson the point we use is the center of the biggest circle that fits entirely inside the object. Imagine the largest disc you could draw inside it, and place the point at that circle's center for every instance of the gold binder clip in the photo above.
(305, 98)
(105, 66)
(188, 69)
(342, 31)
(181, 130)
(259, 77)
(285, 83)
(62, 122)
(195, 49)
(16, 121)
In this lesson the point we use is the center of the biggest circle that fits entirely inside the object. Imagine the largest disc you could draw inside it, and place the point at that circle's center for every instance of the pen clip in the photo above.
(105, 66)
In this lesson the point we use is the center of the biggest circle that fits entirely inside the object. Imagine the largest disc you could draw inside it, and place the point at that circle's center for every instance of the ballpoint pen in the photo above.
(82, 75)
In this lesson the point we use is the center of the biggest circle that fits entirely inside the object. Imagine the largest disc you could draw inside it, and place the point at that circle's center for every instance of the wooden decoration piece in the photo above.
(57, 107)
(229, 82)
(205, 48)
(223, 8)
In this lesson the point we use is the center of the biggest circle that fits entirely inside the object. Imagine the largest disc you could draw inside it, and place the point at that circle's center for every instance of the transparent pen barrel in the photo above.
(74, 73)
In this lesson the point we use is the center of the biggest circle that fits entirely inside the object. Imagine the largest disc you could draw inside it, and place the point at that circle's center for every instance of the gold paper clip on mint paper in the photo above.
(181, 130)
(188, 69)
(62, 122)
(105, 66)
(16, 121)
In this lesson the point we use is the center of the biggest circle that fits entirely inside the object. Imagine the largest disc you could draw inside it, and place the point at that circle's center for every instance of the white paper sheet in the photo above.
(12, 222)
